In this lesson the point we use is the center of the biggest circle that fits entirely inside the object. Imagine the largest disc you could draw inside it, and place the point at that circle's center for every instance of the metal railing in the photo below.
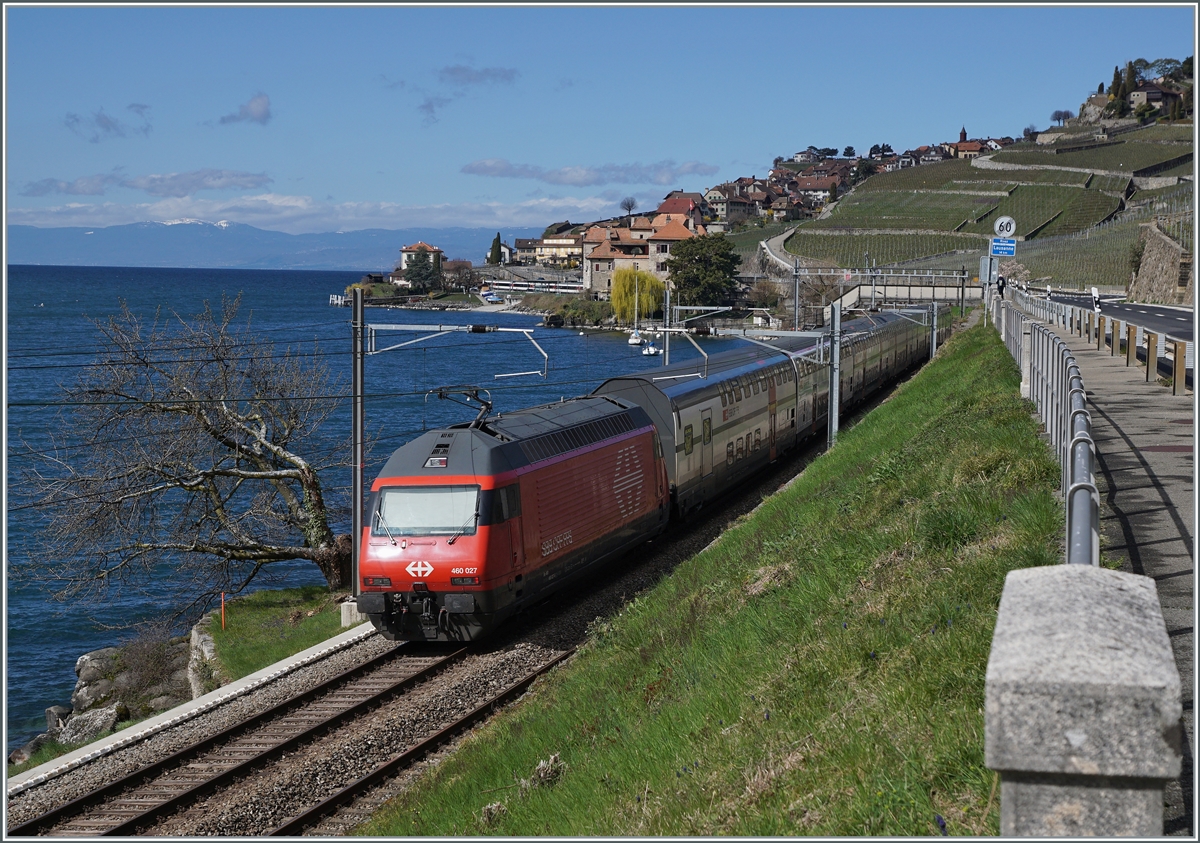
(1050, 377)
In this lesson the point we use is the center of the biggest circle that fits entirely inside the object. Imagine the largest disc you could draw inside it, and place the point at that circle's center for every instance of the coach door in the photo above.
(771, 411)
(706, 443)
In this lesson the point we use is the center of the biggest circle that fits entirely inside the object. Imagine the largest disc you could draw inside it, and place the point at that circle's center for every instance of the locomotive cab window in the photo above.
(426, 511)
(501, 504)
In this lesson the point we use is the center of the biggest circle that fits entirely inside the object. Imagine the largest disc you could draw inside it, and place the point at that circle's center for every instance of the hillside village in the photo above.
(806, 186)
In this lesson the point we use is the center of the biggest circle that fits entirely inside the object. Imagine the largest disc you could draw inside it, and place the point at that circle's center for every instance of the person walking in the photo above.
(1000, 286)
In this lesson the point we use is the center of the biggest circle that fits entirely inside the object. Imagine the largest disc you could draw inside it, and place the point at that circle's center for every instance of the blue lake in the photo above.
(50, 337)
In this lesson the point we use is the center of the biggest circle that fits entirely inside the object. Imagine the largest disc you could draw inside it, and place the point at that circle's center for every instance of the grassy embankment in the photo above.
(268, 626)
(818, 670)
(575, 310)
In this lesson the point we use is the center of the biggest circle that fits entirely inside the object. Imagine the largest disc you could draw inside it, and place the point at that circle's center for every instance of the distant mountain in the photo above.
(194, 243)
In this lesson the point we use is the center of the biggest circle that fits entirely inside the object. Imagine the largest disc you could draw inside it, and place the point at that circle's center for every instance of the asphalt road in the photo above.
(1172, 321)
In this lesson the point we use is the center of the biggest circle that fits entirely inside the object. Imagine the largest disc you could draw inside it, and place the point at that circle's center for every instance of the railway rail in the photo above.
(176, 795)
(140, 798)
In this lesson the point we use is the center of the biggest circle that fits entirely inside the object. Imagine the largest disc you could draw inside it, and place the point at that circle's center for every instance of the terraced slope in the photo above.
(944, 213)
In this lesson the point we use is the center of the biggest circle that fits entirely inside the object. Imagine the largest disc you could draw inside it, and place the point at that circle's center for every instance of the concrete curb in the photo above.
(110, 743)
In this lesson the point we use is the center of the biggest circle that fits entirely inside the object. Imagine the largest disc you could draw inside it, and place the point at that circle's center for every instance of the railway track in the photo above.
(212, 780)
(139, 799)
(382, 772)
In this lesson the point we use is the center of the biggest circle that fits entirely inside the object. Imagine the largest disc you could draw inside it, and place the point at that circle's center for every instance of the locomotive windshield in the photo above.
(426, 511)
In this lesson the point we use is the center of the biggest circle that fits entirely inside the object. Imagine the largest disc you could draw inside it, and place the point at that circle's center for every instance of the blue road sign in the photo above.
(1004, 248)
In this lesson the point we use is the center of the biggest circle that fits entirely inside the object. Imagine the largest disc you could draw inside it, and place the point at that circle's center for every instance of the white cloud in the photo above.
(662, 173)
(257, 110)
(100, 126)
(304, 215)
(168, 184)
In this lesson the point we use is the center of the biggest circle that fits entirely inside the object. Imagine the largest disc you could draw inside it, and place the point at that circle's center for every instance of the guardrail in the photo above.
(1050, 377)
(1082, 701)
(1104, 330)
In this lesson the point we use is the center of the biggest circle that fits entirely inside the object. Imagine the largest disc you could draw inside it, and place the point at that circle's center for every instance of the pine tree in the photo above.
(1116, 82)
(494, 254)
(1130, 78)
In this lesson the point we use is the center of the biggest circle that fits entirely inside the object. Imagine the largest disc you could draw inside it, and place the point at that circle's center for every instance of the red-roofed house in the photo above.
(435, 254)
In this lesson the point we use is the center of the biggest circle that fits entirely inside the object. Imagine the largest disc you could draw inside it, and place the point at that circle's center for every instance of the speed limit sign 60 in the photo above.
(1006, 227)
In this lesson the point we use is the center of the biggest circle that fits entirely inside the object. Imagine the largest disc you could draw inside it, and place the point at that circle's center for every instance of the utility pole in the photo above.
(835, 372)
(359, 355)
(796, 294)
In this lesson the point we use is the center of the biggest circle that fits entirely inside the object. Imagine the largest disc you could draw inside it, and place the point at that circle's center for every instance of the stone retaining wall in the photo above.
(1157, 279)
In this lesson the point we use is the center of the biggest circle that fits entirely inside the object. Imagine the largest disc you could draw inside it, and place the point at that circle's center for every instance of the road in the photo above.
(1173, 321)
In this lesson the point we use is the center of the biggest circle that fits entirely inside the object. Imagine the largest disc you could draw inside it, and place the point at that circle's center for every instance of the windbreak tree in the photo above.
(703, 270)
(197, 448)
(649, 293)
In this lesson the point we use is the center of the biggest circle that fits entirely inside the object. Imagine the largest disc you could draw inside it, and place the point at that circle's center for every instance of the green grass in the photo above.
(267, 626)
(1128, 156)
(819, 670)
(847, 250)
(1162, 132)
(745, 242)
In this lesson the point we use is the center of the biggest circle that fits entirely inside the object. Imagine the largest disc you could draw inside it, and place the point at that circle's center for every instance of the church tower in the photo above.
(962, 135)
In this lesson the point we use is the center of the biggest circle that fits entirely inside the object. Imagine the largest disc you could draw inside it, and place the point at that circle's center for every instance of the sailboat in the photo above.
(635, 338)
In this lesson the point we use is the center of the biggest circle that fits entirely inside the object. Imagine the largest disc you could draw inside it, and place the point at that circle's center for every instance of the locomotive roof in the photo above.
(508, 441)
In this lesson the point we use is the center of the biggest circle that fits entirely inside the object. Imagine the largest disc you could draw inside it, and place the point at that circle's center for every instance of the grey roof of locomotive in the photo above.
(508, 441)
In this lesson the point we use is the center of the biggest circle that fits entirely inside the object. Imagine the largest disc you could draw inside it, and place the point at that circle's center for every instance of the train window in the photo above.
(706, 427)
(426, 511)
(687, 440)
(737, 390)
(721, 389)
(505, 503)
(740, 448)
(758, 438)
(728, 453)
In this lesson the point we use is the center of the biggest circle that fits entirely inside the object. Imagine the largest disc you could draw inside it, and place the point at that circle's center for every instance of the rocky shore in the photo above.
(131, 682)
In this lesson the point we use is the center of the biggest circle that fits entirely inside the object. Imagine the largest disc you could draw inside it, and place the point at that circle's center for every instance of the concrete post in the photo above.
(1130, 345)
(1151, 356)
(1179, 369)
(1083, 706)
(1100, 320)
(1026, 357)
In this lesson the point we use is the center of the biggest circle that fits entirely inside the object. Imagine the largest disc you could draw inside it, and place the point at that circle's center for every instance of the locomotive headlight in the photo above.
(377, 581)
(464, 581)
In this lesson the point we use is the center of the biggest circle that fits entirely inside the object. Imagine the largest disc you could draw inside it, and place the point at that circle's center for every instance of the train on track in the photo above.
(472, 523)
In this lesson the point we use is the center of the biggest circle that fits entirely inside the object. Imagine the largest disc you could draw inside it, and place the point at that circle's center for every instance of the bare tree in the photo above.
(628, 204)
(187, 454)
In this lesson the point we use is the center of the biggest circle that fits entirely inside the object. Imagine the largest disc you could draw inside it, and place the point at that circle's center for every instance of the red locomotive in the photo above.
(470, 523)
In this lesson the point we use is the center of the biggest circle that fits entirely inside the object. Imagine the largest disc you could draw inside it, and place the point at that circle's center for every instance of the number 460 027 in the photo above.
(464, 570)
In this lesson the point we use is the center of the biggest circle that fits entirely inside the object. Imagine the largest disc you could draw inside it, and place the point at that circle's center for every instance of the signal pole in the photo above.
(357, 435)
(835, 372)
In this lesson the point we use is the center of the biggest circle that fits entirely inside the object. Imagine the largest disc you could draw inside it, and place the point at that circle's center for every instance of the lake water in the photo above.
(50, 337)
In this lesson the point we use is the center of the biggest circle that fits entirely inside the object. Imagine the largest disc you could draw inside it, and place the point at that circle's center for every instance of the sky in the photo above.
(309, 119)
